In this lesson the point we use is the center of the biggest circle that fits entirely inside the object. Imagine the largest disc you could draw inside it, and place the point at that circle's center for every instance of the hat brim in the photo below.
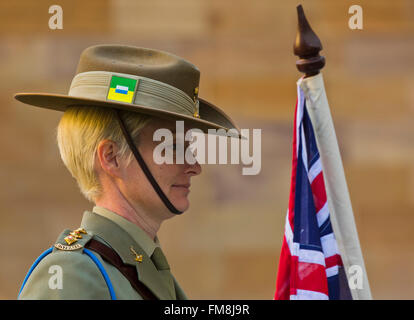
(211, 117)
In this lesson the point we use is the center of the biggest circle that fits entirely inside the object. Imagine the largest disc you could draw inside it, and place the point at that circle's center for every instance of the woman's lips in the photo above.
(185, 186)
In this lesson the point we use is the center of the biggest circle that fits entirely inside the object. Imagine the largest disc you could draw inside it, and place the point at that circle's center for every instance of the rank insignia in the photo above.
(74, 236)
(70, 239)
(77, 233)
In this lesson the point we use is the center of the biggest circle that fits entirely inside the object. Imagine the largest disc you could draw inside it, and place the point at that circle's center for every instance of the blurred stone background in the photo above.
(227, 245)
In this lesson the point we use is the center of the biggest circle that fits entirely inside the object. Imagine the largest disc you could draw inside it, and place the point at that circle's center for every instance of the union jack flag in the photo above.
(310, 266)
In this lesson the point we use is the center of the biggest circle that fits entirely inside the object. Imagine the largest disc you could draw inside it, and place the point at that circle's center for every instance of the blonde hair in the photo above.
(79, 132)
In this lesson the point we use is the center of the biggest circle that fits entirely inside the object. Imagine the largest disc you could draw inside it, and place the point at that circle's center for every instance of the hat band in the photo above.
(131, 89)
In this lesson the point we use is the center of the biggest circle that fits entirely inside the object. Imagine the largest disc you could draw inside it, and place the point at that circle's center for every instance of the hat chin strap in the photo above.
(144, 167)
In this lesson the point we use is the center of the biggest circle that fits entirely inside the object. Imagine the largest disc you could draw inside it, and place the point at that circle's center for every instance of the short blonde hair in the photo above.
(79, 132)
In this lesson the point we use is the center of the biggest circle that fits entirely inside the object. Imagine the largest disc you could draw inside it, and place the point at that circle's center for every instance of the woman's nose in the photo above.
(194, 169)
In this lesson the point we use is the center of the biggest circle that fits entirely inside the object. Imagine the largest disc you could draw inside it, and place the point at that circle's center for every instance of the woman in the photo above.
(118, 99)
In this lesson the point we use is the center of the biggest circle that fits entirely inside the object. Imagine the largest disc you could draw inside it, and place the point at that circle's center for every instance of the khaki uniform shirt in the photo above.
(72, 274)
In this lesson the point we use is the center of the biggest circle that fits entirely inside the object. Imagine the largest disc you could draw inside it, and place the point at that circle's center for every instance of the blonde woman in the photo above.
(119, 97)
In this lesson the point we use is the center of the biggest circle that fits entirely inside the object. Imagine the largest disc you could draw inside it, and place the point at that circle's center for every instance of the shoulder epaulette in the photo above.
(72, 240)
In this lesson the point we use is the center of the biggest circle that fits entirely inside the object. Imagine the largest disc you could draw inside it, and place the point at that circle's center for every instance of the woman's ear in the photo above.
(108, 157)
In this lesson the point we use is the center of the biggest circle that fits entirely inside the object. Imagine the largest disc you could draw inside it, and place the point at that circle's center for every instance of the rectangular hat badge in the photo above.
(122, 89)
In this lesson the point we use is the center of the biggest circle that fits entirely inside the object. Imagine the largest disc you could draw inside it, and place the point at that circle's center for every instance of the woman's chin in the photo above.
(181, 204)
(179, 197)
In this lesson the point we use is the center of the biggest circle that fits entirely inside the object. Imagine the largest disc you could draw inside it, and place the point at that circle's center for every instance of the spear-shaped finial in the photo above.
(307, 47)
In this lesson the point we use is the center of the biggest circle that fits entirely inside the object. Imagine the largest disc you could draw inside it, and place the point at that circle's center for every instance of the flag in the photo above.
(310, 266)
(122, 89)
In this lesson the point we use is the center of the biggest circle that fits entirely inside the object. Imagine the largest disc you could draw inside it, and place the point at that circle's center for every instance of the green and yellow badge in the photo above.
(122, 89)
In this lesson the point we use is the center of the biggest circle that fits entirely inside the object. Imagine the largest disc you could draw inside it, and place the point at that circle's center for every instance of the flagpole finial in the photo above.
(307, 47)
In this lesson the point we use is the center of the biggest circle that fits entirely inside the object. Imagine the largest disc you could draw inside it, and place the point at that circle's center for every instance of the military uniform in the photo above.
(81, 276)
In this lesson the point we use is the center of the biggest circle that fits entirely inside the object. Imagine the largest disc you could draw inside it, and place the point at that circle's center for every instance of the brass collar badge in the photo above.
(138, 257)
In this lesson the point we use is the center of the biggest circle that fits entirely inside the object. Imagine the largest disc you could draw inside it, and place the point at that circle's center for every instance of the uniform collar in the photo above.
(139, 235)
(121, 241)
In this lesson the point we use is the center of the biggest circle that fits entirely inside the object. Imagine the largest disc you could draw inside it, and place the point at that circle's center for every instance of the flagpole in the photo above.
(307, 47)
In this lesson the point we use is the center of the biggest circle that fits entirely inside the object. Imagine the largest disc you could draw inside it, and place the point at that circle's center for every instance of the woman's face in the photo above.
(174, 179)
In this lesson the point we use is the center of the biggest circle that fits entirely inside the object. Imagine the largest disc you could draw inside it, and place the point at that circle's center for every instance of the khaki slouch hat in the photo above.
(147, 81)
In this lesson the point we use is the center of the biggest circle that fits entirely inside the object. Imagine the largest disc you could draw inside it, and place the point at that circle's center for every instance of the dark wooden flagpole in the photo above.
(307, 47)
